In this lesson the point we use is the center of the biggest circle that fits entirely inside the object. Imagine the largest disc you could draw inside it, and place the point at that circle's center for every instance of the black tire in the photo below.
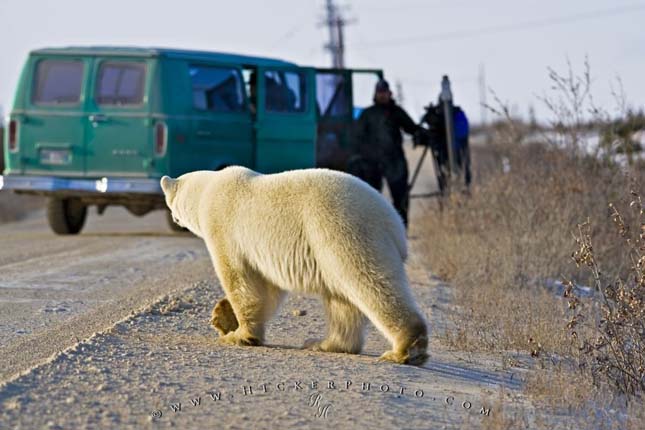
(66, 216)
(172, 224)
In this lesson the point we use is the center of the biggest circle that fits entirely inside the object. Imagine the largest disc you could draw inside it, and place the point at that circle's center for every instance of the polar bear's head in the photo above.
(178, 199)
(191, 196)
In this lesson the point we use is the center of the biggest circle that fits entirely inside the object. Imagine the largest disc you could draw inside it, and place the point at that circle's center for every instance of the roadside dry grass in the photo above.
(505, 246)
(512, 238)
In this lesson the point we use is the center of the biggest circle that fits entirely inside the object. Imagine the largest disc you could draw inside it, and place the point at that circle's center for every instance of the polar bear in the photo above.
(311, 231)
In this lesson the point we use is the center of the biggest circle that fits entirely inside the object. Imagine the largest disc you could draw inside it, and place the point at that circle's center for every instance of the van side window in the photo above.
(120, 83)
(217, 89)
(57, 81)
(285, 92)
(331, 94)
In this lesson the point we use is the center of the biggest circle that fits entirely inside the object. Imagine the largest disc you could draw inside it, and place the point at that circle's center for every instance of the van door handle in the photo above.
(204, 133)
(99, 117)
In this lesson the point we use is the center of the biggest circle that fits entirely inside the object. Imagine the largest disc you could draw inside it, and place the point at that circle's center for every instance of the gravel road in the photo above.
(55, 291)
(110, 329)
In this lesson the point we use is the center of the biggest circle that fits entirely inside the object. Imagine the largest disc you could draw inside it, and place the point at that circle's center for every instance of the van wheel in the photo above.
(66, 216)
(172, 224)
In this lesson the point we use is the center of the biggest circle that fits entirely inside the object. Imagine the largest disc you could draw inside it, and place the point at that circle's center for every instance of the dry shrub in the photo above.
(613, 344)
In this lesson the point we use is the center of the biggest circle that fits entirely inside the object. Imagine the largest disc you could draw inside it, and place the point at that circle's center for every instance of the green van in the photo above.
(100, 125)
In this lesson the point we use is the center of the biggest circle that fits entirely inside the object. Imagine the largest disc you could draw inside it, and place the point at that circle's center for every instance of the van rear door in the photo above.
(51, 128)
(286, 119)
(119, 124)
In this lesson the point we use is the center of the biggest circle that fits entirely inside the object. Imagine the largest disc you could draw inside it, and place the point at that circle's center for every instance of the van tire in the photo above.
(66, 216)
(173, 225)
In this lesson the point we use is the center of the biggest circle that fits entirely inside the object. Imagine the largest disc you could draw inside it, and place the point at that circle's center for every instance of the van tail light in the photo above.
(13, 135)
(161, 138)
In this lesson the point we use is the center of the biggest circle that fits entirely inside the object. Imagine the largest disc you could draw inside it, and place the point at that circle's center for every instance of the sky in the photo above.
(510, 42)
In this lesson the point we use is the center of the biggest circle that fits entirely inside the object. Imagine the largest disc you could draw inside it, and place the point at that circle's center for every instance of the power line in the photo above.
(291, 32)
(288, 35)
(452, 35)
(425, 4)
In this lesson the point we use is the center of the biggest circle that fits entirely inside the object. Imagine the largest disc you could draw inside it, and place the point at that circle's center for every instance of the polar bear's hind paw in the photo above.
(414, 355)
(328, 346)
(399, 358)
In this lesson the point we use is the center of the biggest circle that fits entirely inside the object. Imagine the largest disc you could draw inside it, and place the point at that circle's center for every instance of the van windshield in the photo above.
(57, 81)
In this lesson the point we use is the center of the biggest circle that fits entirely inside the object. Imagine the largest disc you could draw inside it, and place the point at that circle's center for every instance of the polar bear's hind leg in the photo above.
(345, 327)
(388, 303)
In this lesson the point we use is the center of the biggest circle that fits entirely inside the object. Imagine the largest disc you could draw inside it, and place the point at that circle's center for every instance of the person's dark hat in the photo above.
(382, 86)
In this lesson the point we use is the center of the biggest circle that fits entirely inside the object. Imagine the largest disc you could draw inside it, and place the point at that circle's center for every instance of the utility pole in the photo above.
(336, 23)
(446, 99)
(483, 104)
(399, 92)
(482, 94)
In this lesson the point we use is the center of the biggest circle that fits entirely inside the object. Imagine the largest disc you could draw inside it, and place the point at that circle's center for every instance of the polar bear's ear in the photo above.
(169, 186)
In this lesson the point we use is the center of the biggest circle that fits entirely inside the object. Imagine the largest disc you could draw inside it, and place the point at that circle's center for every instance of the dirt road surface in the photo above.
(110, 329)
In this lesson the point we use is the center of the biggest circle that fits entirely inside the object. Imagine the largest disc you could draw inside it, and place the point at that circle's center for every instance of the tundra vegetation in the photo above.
(547, 256)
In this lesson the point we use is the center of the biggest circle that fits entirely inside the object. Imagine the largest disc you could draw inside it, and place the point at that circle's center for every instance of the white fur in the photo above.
(312, 231)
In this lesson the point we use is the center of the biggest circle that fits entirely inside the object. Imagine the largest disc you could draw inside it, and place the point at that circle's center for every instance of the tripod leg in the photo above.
(417, 169)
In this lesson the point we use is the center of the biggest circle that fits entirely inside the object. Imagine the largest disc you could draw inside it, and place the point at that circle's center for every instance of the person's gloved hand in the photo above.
(416, 139)
(420, 138)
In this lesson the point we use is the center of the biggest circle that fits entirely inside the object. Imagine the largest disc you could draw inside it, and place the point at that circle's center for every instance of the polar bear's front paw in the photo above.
(238, 339)
(223, 318)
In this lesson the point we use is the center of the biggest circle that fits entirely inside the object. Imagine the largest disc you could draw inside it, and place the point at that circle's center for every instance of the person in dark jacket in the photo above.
(379, 144)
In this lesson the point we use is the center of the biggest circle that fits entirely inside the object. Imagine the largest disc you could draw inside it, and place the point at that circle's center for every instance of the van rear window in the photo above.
(217, 89)
(120, 83)
(57, 81)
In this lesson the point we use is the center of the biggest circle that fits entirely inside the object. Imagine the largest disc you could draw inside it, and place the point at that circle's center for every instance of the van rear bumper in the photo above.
(50, 184)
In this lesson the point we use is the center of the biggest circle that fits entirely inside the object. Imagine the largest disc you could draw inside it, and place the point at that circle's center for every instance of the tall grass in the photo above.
(506, 246)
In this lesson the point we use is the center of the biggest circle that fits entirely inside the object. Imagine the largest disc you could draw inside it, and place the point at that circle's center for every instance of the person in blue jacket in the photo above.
(434, 118)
